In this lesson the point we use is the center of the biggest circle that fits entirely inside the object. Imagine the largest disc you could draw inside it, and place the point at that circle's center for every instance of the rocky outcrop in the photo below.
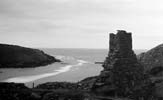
(152, 58)
(22, 57)
(58, 85)
(122, 72)
(66, 95)
(16, 91)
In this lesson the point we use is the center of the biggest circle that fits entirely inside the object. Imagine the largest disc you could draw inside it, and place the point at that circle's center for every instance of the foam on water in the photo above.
(64, 57)
(26, 79)
(59, 56)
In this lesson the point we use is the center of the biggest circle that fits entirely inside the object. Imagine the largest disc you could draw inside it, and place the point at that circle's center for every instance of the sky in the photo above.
(80, 23)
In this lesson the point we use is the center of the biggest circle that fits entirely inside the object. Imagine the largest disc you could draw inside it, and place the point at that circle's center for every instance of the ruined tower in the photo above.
(121, 41)
(121, 68)
(120, 47)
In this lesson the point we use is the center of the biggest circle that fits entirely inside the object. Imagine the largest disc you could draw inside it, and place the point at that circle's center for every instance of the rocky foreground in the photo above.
(12, 56)
(123, 78)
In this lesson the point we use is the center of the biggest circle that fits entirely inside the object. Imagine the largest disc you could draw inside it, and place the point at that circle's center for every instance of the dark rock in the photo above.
(64, 95)
(16, 56)
(16, 91)
(58, 85)
(87, 83)
(16, 86)
(152, 58)
(155, 71)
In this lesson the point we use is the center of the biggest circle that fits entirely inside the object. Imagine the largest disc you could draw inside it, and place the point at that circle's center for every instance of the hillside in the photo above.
(152, 58)
(12, 56)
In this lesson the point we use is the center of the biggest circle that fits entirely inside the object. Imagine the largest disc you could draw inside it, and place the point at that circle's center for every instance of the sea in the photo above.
(76, 65)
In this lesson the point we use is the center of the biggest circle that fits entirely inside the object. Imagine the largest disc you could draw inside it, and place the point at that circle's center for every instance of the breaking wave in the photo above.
(26, 79)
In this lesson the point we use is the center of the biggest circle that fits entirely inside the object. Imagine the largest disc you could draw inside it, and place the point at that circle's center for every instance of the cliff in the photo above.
(152, 58)
(22, 57)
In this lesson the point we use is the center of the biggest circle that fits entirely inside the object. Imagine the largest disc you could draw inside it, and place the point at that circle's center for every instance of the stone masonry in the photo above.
(122, 71)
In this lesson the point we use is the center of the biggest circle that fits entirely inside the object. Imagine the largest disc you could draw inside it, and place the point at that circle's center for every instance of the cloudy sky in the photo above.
(80, 23)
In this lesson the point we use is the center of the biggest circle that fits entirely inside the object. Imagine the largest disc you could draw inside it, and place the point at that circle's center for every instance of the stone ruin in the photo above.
(122, 72)
(120, 48)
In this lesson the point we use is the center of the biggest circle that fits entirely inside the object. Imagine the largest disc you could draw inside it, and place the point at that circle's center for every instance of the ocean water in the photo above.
(77, 64)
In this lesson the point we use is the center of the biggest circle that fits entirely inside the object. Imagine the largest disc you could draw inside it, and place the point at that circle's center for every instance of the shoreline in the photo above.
(28, 79)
